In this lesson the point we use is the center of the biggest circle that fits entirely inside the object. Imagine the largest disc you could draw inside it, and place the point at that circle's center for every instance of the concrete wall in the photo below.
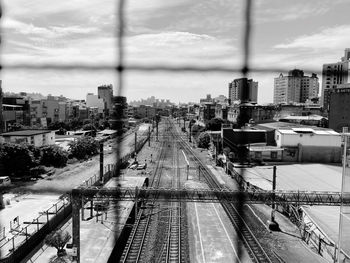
(321, 154)
(312, 154)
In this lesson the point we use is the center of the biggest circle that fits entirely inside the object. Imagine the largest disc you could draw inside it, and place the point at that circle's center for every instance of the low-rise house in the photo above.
(34, 137)
(309, 144)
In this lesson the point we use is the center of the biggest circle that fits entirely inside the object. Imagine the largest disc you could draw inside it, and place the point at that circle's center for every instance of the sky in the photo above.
(285, 35)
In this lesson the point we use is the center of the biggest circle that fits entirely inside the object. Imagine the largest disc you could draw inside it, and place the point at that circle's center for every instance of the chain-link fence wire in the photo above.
(121, 67)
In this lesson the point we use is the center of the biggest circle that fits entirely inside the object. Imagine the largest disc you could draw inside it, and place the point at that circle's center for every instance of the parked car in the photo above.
(142, 166)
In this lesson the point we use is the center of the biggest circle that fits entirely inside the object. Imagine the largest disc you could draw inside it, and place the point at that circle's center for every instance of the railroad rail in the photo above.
(134, 249)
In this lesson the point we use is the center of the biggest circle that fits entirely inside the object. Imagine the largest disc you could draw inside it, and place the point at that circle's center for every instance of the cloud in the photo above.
(330, 38)
(45, 32)
(268, 11)
(177, 47)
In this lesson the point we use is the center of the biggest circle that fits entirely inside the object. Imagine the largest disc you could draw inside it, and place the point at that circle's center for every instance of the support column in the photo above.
(273, 225)
(135, 148)
(101, 162)
(82, 209)
(76, 225)
(91, 208)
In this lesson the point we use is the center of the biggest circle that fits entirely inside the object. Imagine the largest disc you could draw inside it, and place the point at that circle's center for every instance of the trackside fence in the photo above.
(24, 239)
(310, 235)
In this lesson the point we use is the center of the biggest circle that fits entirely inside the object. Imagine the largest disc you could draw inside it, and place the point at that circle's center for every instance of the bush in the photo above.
(204, 140)
(53, 155)
(214, 124)
(58, 240)
(17, 159)
(84, 147)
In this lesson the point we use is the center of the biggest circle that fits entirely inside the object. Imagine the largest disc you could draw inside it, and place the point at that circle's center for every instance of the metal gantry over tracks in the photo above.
(214, 195)
(199, 195)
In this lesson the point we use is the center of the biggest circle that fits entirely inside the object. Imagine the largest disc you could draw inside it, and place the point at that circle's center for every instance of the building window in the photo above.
(273, 155)
(44, 139)
(31, 139)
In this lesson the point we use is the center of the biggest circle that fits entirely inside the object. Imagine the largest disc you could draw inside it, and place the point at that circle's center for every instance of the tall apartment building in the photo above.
(1, 117)
(105, 92)
(295, 88)
(339, 107)
(235, 89)
(94, 101)
(333, 75)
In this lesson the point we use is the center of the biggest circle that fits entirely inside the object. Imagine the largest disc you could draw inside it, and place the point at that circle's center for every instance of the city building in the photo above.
(222, 99)
(256, 113)
(208, 99)
(221, 111)
(207, 112)
(333, 75)
(105, 92)
(145, 111)
(312, 120)
(236, 87)
(339, 107)
(11, 115)
(1, 112)
(309, 144)
(119, 116)
(297, 109)
(34, 137)
(295, 88)
(95, 101)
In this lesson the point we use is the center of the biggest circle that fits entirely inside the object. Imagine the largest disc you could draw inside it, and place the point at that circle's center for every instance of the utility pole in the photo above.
(190, 132)
(157, 121)
(135, 142)
(273, 225)
(149, 136)
(101, 162)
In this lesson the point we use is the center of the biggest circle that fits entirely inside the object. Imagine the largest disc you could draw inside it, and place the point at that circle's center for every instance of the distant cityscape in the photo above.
(296, 95)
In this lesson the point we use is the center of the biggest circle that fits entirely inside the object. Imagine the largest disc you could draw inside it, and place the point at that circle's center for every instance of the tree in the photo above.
(214, 124)
(16, 159)
(89, 127)
(58, 239)
(53, 155)
(84, 147)
(204, 140)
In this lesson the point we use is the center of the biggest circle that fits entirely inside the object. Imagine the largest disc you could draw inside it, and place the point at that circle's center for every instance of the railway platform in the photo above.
(98, 233)
(287, 244)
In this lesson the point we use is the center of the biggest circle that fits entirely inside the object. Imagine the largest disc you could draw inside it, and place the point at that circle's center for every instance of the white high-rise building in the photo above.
(333, 75)
(105, 92)
(235, 90)
(295, 88)
(94, 101)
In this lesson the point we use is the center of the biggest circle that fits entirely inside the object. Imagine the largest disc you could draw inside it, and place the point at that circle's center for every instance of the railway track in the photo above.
(255, 250)
(134, 250)
(171, 251)
(170, 219)
(138, 237)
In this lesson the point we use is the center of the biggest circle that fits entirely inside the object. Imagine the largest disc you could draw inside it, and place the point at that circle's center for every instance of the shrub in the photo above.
(58, 240)
(84, 147)
(53, 155)
(204, 140)
(17, 159)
